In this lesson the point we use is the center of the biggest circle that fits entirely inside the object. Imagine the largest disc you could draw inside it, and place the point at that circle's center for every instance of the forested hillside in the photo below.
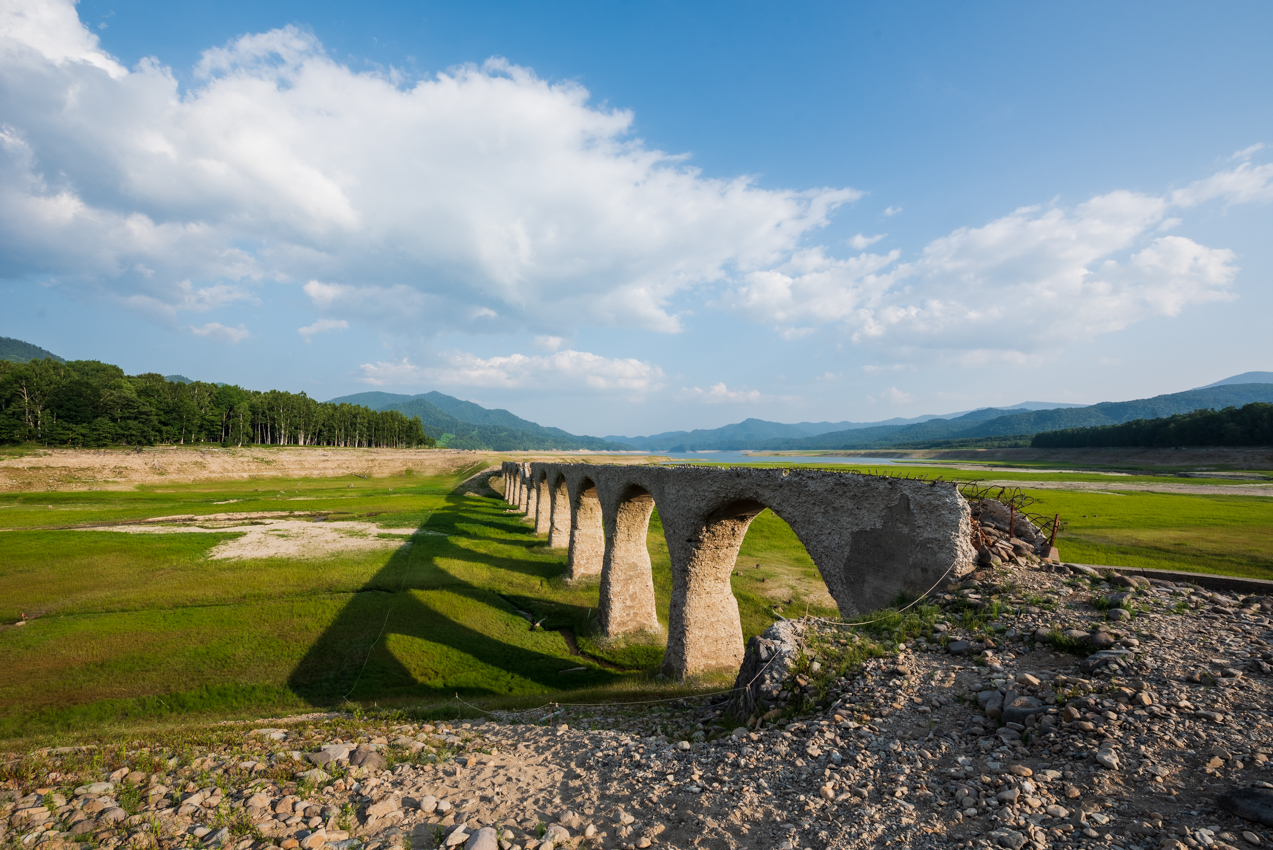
(1250, 425)
(17, 351)
(462, 424)
(87, 403)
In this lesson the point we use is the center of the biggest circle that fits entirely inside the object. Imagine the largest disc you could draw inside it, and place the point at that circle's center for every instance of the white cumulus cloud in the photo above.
(1039, 278)
(480, 199)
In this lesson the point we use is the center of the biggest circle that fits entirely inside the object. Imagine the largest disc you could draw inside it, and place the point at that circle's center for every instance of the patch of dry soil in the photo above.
(272, 537)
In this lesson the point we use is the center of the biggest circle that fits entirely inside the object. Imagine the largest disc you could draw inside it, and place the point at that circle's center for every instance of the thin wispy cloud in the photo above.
(220, 333)
(562, 369)
(322, 326)
(719, 394)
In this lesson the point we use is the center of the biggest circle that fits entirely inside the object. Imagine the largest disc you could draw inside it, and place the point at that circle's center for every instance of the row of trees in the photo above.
(87, 403)
(1250, 425)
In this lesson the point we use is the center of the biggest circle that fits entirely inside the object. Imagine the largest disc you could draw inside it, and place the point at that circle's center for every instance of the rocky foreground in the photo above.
(1022, 709)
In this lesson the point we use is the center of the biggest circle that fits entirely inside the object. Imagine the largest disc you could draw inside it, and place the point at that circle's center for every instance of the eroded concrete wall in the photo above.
(871, 539)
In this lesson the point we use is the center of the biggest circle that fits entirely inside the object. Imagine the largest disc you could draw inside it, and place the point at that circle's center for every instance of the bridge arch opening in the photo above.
(744, 563)
(587, 539)
(523, 491)
(627, 576)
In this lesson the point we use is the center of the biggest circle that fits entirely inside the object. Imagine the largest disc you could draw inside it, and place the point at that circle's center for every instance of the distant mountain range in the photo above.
(460, 424)
(463, 424)
(988, 425)
(1244, 378)
(761, 432)
(991, 423)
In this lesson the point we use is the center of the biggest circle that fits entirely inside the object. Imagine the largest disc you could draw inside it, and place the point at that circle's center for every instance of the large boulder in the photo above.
(767, 664)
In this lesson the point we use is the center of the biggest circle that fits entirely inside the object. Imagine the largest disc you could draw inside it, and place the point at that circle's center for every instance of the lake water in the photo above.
(743, 457)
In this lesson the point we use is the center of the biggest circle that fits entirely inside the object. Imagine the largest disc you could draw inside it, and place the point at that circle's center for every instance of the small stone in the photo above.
(1057, 811)
(1008, 838)
(456, 836)
(314, 840)
(1250, 838)
(557, 834)
(1020, 770)
(384, 807)
(643, 842)
(428, 803)
(1107, 758)
(740, 732)
(1027, 680)
(959, 647)
(826, 792)
(1102, 640)
(484, 839)
(1021, 708)
(112, 815)
(318, 776)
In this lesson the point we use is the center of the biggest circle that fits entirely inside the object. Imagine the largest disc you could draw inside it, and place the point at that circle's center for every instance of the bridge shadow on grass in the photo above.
(436, 620)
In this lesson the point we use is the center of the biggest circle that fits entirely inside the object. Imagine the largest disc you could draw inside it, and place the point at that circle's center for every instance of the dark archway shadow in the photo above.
(418, 629)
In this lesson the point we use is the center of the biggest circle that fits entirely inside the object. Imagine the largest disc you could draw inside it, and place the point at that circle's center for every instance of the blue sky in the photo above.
(627, 218)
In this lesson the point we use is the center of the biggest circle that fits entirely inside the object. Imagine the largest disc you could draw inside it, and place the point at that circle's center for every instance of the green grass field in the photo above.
(137, 628)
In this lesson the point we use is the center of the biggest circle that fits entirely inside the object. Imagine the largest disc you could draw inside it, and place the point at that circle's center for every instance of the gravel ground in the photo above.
(1037, 708)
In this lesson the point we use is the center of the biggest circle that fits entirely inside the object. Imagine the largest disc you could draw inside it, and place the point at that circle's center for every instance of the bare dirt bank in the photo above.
(117, 469)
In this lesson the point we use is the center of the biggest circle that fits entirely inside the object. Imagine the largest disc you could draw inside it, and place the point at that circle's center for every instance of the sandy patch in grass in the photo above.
(272, 536)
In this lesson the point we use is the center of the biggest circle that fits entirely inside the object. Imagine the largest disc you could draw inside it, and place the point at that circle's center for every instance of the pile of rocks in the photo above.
(1013, 712)
(1003, 536)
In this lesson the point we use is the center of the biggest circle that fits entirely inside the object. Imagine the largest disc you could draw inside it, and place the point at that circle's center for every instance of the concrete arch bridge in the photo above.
(870, 537)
